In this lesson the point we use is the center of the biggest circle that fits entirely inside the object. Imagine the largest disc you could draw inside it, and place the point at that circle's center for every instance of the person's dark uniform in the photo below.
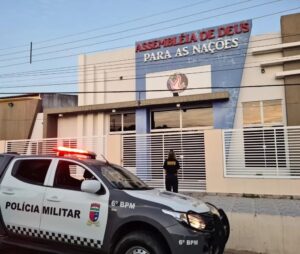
(171, 166)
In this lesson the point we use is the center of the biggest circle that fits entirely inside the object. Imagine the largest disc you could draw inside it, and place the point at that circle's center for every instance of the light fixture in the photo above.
(113, 110)
(60, 115)
(178, 105)
(10, 104)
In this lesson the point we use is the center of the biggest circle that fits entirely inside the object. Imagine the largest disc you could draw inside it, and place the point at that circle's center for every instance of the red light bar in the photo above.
(80, 153)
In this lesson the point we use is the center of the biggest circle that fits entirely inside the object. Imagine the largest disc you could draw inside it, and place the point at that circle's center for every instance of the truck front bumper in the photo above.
(185, 240)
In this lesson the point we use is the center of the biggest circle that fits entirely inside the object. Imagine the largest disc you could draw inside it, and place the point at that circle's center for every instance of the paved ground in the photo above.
(268, 206)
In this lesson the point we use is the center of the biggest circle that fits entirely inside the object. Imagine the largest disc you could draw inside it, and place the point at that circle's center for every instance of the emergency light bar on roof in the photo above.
(74, 152)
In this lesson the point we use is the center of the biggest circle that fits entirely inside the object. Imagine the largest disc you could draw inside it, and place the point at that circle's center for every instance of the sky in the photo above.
(60, 30)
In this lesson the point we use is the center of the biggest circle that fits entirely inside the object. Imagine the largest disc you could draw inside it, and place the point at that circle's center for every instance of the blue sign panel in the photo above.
(222, 48)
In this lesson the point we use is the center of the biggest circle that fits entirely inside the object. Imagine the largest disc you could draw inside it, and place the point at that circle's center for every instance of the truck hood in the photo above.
(177, 202)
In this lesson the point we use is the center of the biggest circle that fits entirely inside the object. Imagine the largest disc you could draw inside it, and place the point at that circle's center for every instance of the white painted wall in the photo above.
(252, 75)
(102, 72)
(199, 76)
(87, 125)
(67, 126)
(37, 131)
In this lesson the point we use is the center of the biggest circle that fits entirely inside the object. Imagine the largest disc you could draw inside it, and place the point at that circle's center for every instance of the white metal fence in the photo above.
(145, 155)
(262, 152)
(45, 146)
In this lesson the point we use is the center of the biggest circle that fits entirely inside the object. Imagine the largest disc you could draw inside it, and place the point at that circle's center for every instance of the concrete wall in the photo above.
(114, 148)
(59, 100)
(290, 27)
(217, 183)
(67, 126)
(2, 146)
(83, 125)
(17, 117)
(264, 233)
(107, 71)
(37, 132)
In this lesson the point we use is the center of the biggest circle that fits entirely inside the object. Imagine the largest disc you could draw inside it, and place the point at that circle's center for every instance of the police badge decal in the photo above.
(94, 215)
(177, 83)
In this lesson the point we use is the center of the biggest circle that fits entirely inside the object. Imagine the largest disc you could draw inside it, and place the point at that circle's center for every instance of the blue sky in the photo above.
(23, 21)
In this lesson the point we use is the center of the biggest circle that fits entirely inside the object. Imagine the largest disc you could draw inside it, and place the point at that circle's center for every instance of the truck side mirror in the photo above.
(90, 186)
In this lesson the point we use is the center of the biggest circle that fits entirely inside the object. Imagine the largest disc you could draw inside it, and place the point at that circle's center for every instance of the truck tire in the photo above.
(140, 242)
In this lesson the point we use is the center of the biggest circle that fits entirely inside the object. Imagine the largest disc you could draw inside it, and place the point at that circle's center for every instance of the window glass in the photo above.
(116, 122)
(129, 122)
(272, 111)
(31, 171)
(165, 119)
(121, 178)
(197, 117)
(251, 112)
(70, 175)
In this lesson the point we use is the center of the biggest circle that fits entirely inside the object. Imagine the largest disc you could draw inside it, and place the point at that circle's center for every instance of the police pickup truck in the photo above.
(73, 203)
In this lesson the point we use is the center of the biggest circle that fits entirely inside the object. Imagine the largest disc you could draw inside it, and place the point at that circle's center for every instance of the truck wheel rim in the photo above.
(137, 250)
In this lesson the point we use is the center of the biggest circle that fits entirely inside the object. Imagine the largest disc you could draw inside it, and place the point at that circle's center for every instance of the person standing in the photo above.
(171, 167)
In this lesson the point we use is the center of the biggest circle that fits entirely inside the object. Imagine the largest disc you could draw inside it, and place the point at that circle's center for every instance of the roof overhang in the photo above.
(274, 48)
(187, 99)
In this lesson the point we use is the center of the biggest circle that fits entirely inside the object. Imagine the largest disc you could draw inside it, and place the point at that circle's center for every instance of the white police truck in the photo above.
(72, 203)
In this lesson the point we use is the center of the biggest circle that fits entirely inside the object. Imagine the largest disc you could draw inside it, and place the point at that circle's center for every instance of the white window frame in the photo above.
(262, 119)
(180, 122)
(122, 123)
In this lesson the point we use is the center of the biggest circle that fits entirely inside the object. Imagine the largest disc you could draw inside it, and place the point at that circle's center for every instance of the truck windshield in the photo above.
(122, 179)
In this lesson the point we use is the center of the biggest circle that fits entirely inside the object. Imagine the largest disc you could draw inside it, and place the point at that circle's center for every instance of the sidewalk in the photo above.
(260, 225)
(276, 207)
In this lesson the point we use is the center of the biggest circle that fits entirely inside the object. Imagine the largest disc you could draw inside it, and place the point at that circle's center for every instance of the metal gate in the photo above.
(267, 152)
(144, 155)
(45, 146)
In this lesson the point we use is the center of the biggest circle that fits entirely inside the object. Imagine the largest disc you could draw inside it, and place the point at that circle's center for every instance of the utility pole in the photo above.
(30, 53)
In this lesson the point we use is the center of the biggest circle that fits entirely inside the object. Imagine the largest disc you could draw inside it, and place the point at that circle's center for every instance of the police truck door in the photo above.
(70, 215)
(21, 195)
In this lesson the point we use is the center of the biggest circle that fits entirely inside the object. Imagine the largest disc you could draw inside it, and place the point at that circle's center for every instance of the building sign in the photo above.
(206, 41)
(201, 61)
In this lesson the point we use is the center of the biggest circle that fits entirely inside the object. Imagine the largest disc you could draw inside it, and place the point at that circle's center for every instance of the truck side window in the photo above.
(31, 171)
(70, 175)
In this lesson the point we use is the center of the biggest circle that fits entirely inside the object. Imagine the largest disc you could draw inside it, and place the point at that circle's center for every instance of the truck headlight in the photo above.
(213, 209)
(178, 216)
(196, 221)
(193, 220)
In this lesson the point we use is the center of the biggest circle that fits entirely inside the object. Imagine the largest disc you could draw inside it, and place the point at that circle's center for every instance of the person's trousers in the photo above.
(171, 183)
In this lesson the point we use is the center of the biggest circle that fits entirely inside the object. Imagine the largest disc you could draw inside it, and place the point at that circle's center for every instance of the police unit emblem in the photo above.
(94, 214)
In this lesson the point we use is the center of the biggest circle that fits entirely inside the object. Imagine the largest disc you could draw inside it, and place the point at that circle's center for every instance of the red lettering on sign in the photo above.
(193, 38)
(230, 30)
(237, 29)
(203, 36)
(245, 27)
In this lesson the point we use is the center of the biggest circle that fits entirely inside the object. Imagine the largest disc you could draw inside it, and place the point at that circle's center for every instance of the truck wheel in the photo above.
(140, 242)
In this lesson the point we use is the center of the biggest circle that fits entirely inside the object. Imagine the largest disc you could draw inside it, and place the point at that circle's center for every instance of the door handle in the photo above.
(53, 199)
(8, 192)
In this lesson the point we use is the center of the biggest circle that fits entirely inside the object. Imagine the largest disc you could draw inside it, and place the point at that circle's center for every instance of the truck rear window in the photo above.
(31, 171)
